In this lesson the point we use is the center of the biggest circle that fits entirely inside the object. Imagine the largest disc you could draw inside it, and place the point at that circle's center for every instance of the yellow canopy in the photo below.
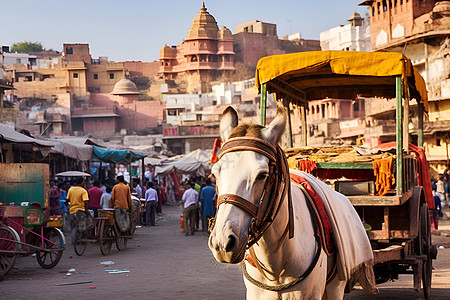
(339, 74)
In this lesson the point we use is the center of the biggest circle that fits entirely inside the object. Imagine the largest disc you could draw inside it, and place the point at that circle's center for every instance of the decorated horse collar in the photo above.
(276, 188)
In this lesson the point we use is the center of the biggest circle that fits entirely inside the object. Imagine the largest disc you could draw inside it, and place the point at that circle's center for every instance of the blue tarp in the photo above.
(123, 157)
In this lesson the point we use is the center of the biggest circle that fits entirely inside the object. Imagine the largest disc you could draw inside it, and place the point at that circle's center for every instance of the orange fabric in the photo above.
(307, 166)
(216, 147)
(382, 169)
(423, 175)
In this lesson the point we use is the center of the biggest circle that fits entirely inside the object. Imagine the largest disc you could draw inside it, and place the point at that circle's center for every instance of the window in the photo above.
(373, 11)
(95, 76)
(69, 50)
(111, 75)
(379, 5)
(438, 142)
(18, 61)
(384, 5)
(356, 106)
(75, 75)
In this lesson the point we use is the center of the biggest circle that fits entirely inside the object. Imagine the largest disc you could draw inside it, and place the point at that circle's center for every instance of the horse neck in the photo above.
(277, 252)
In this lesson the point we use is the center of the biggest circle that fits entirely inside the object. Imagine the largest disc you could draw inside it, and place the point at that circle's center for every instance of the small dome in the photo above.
(204, 26)
(167, 52)
(225, 34)
(442, 8)
(125, 87)
(354, 16)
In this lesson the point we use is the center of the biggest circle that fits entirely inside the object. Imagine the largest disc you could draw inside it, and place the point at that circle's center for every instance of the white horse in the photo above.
(284, 267)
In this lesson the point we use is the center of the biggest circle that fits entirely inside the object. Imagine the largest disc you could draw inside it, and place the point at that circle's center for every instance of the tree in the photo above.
(27, 47)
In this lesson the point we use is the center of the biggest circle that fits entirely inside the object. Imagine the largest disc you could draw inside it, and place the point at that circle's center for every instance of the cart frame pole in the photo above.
(263, 104)
(398, 89)
(420, 125)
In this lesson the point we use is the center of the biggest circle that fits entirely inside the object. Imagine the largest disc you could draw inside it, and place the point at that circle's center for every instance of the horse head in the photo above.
(241, 175)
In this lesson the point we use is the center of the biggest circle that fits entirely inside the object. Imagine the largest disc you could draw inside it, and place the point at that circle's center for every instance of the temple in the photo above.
(206, 55)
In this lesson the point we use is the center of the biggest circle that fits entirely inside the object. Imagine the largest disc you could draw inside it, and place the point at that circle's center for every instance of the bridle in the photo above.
(276, 188)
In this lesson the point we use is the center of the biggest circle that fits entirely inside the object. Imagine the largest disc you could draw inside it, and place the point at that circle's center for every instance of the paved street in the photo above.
(165, 264)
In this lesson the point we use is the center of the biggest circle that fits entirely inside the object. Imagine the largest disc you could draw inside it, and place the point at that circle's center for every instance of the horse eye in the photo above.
(261, 176)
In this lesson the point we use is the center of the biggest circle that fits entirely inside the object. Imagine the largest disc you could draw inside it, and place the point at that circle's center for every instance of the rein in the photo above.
(277, 187)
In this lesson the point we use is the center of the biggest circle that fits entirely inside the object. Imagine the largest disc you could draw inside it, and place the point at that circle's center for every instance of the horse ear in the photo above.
(228, 121)
(273, 132)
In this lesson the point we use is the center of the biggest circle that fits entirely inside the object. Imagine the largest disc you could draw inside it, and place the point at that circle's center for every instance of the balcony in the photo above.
(382, 129)
(196, 65)
(94, 111)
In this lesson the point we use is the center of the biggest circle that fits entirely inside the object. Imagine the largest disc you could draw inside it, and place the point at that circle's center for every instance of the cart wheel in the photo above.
(121, 242)
(106, 238)
(78, 245)
(56, 241)
(425, 241)
(8, 239)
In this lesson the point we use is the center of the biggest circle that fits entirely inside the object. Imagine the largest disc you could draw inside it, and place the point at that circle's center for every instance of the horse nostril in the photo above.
(231, 244)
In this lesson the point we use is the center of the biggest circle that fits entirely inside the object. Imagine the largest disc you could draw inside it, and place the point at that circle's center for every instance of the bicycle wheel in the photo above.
(56, 242)
(106, 238)
(78, 245)
(8, 239)
(121, 242)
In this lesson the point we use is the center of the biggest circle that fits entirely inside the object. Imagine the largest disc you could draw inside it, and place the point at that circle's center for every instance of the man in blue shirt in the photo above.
(151, 200)
(207, 197)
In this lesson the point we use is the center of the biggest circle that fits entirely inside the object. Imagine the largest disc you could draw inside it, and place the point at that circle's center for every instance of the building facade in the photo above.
(354, 36)
(420, 29)
(254, 40)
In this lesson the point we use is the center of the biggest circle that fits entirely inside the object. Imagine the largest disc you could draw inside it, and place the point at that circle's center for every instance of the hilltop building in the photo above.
(254, 40)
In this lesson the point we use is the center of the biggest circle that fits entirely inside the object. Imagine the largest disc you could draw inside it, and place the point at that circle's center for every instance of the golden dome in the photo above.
(167, 52)
(125, 87)
(225, 34)
(204, 26)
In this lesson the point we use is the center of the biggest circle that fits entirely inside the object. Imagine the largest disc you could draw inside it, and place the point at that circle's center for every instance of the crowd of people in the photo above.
(72, 199)
(198, 203)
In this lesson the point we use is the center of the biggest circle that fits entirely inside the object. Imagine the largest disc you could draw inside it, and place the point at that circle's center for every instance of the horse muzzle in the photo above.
(226, 245)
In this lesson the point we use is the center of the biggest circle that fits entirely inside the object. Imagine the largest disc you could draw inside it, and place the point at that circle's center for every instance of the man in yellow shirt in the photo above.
(78, 199)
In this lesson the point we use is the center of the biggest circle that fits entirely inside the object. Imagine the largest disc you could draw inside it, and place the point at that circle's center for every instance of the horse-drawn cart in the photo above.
(397, 220)
(26, 226)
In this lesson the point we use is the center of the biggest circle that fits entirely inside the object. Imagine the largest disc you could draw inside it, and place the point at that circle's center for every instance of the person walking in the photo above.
(440, 190)
(53, 194)
(190, 203)
(105, 200)
(78, 198)
(95, 193)
(137, 188)
(151, 201)
(121, 202)
(207, 197)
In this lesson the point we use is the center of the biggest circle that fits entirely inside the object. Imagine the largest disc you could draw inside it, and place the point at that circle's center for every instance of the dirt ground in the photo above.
(165, 264)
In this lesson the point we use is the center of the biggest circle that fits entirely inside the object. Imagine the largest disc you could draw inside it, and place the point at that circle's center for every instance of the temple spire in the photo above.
(203, 6)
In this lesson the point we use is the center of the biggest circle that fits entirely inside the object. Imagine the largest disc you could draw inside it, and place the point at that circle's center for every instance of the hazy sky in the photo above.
(137, 29)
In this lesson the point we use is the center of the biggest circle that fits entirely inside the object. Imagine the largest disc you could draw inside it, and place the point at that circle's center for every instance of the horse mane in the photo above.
(247, 129)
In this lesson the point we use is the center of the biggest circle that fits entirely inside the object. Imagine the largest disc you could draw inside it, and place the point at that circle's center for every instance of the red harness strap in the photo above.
(325, 230)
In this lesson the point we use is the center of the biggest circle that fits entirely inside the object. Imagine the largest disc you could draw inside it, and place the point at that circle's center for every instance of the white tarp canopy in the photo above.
(194, 162)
